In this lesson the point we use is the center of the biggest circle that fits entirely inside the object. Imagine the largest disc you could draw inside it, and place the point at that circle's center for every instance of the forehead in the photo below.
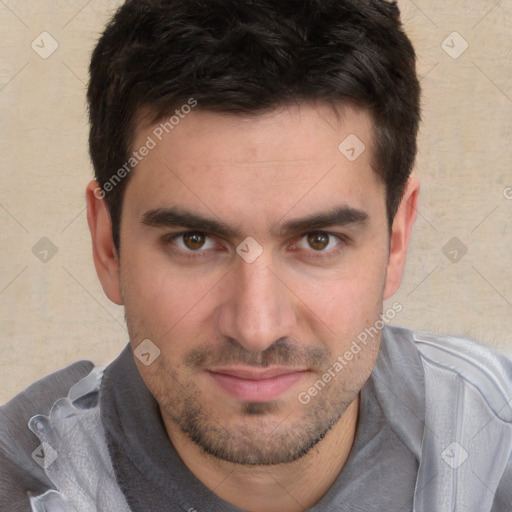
(295, 157)
(275, 136)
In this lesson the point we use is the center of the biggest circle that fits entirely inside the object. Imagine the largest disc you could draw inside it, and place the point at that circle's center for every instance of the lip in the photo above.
(256, 385)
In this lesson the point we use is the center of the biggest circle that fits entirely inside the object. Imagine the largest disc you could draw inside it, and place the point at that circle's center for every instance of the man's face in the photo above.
(242, 334)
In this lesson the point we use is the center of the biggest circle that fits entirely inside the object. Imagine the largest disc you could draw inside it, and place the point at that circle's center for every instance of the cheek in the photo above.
(161, 300)
(348, 299)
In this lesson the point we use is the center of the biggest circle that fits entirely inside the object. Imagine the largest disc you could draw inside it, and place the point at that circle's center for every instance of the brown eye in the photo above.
(318, 241)
(194, 241)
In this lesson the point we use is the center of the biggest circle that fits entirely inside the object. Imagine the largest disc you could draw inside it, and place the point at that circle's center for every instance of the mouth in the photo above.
(256, 385)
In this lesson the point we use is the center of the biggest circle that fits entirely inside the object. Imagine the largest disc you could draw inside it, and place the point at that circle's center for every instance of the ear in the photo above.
(400, 236)
(104, 252)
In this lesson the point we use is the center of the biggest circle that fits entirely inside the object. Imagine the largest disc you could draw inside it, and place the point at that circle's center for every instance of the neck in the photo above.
(291, 487)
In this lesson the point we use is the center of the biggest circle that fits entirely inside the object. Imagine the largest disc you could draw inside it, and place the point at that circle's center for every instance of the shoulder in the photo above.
(19, 473)
(481, 368)
(468, 417)
(459, 359)
(451, 365)
(468, 420)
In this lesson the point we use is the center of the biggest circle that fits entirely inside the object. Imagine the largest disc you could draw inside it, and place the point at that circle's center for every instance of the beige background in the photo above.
(54, 312)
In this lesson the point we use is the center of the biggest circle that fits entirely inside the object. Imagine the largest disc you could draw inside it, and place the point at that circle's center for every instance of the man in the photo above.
(252, 208)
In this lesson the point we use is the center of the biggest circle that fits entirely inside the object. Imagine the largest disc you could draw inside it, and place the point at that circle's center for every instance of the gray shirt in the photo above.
(380, 473)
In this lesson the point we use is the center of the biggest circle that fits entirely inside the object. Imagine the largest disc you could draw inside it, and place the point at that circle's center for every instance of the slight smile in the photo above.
(257, 385)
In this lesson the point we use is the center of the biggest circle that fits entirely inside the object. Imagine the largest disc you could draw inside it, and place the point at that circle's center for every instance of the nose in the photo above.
(258, 308)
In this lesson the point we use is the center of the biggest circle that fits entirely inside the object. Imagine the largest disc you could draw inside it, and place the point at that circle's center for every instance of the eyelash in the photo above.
(343, 242)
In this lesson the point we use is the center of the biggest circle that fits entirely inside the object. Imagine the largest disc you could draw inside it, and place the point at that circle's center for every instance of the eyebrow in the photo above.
(174, 217)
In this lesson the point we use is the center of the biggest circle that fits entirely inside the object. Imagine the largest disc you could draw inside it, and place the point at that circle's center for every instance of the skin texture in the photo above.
(295, 308)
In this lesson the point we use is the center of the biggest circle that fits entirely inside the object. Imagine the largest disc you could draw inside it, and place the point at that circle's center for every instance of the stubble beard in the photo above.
(262, 434)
